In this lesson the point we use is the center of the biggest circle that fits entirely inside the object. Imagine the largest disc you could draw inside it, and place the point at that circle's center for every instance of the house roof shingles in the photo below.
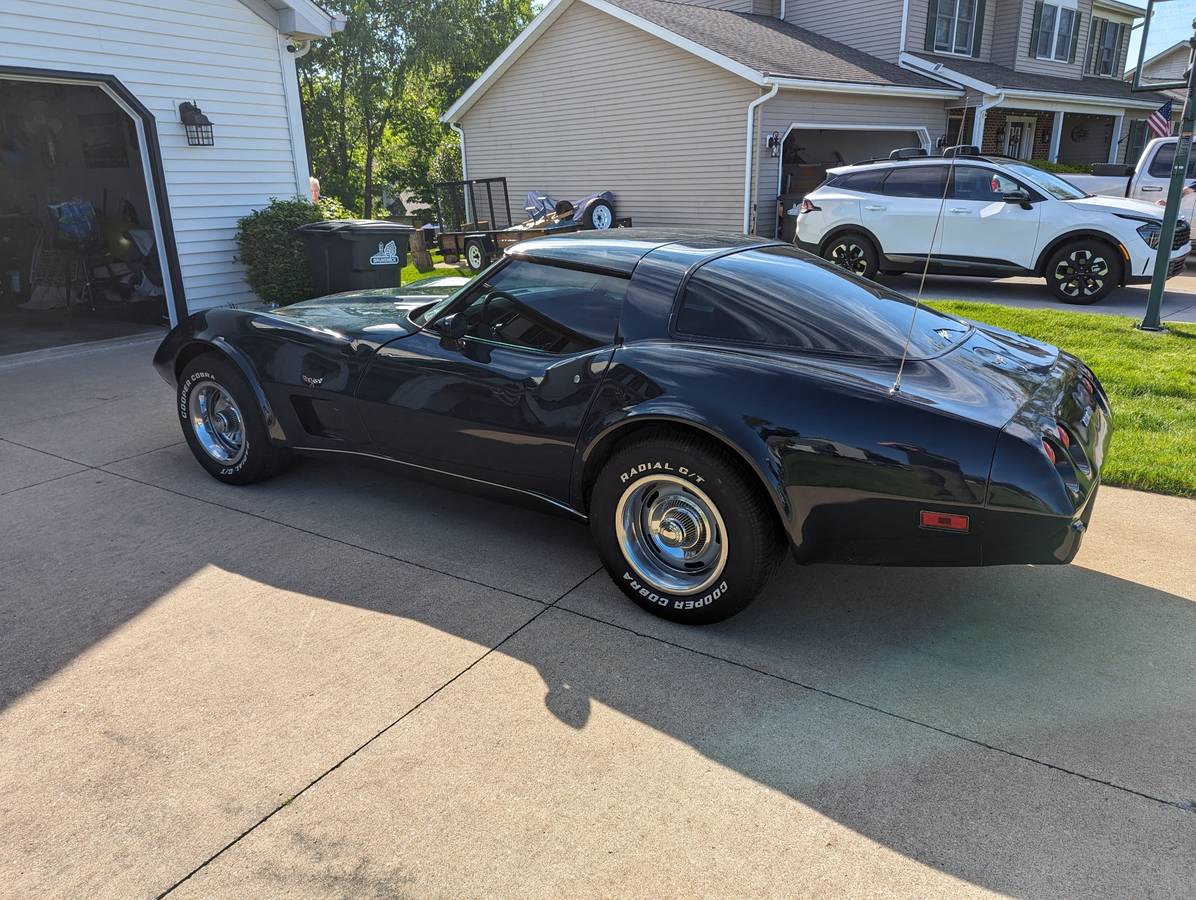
(766, 44)
(1009, 79)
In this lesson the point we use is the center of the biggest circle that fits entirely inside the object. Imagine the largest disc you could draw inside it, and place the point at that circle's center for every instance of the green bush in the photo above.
(275, 259)
(1063, 168)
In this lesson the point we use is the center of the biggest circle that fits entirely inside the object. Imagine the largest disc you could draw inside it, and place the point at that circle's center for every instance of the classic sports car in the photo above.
(706, 401)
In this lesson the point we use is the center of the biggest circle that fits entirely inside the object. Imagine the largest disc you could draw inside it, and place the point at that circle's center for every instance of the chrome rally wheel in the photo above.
(672, 535)
(217, 422)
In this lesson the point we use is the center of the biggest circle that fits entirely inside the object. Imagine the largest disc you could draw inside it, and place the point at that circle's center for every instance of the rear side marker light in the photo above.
(944, 521)
(1064, 437)
(1049, 451)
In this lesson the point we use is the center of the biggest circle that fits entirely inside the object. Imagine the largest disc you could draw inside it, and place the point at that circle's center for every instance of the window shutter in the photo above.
(978, 29)
(1036, 29)
(1095, 33)
(1119, 54)
(932, 16)
(1075, 36)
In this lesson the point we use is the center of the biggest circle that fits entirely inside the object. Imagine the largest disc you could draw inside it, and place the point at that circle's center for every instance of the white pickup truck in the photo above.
(1146, 181)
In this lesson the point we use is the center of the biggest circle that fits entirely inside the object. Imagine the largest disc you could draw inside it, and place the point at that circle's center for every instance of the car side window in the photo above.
(976, 183)
(926, 182)
(545, 308)
(864, 182)
(1164, 159)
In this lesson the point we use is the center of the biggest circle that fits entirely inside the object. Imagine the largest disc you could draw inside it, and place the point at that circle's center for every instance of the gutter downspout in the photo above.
(749, 144)
(904, 26)
(782, 17)
(978, 121)
(464, 169)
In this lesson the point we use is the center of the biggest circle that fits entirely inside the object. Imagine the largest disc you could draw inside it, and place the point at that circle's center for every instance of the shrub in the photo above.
(1062, 168)
(275, 260)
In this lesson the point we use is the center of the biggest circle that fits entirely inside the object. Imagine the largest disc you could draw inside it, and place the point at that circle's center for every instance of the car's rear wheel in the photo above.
(599, 215)
(223, 424)
(682, 529)
(475, 255)
(1083, 272)
(854, 252)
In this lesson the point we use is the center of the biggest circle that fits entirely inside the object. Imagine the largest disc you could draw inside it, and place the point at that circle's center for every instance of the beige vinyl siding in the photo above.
(216, 52)
(1173, 65)
(1006, 30)
(915, 35)
(659, 127)
(873, 26)
(1022, 60)
(819, 108)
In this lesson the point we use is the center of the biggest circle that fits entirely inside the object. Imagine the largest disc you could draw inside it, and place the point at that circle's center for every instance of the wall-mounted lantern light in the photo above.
(774, 144)
(197, 125)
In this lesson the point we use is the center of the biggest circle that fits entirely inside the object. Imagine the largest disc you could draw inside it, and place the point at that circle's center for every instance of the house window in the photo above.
(1104, 47)
(1056, 31)
(954, 26)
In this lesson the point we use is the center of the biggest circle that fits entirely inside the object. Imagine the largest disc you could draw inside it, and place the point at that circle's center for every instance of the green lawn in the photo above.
(1150, 378)
(410, 273)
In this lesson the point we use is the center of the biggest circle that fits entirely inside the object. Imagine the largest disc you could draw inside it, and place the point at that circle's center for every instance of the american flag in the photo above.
(1160, 120)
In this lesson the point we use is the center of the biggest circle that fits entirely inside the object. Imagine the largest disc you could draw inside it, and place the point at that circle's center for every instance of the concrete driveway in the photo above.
(346, 682)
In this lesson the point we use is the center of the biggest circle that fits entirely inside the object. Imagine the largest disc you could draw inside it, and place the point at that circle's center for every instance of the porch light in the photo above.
(197, 125)
(774, 144)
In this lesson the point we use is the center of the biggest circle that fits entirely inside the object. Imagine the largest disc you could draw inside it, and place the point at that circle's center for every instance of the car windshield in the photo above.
(1057, 187)
(783, 297)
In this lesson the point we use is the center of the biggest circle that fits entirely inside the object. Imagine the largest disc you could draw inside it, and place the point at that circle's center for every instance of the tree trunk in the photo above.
(420, 257)
(368, 190)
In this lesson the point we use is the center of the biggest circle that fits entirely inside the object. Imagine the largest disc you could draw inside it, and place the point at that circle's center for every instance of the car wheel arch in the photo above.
(1084, 234)
(839, 230)
(603, 445)
(227, 351)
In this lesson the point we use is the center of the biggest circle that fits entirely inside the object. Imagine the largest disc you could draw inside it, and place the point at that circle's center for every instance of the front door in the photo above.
(505, 398)
(979, 226)
(1019, 137)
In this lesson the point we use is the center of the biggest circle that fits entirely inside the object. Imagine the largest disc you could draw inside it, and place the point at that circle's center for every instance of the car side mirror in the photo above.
(452, 327)
(1020, 197)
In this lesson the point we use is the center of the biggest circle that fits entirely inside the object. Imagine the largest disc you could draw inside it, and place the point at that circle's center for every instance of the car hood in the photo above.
(1138, 208)
(377, 315)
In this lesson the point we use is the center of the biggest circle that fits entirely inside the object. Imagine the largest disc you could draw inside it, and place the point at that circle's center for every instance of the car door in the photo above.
(979, 227)
(903, 216)
(503, 398)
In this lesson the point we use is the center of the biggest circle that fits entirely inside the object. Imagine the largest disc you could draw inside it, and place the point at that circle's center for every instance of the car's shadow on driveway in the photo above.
(965, 718)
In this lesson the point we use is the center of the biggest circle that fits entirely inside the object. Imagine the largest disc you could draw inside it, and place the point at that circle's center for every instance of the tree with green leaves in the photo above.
(372, 94)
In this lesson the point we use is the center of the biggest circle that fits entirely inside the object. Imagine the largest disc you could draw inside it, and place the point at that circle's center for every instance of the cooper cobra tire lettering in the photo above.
(674, 602)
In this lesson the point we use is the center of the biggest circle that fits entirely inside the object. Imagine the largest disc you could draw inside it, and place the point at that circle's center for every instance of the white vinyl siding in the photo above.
(874, 26)
(216, 52)
(596, 104)
(810, 107)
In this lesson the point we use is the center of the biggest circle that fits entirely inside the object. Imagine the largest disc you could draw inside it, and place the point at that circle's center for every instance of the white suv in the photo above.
(1000, 217)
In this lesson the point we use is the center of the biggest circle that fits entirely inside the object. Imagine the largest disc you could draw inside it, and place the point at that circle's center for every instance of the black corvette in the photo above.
(706, 401)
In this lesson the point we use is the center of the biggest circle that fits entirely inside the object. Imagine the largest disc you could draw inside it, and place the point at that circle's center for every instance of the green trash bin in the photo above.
(355, 254)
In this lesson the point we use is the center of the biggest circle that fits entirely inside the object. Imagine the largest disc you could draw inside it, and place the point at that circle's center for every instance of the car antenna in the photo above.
(909, 333)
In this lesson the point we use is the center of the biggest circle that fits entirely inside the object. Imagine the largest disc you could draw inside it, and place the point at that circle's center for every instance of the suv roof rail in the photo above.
(908, 153)
(961, 150)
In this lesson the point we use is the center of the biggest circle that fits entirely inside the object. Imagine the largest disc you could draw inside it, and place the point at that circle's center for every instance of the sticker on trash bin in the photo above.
(387, 255)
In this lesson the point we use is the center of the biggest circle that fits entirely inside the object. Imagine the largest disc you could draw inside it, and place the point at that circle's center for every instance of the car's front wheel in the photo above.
(682, 530)
(853, 252)
(223, 424)
(1083, 272)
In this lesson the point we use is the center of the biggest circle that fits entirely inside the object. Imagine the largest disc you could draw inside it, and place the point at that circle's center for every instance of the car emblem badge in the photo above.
(307, 379)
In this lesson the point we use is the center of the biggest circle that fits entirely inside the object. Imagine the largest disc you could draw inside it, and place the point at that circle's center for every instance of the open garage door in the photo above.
(83, 252)
(809, 150)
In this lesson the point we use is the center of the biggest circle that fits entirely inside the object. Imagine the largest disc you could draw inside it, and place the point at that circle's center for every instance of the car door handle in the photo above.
(959, 210)
(873, 207)
(1147, 187)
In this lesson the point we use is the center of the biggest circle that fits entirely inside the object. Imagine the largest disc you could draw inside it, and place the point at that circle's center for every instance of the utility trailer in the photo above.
(475, 221)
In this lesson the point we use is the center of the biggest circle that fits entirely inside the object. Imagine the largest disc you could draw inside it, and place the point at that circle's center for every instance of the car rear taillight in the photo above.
(1049, 451)
(807, 206)
(1064, 437)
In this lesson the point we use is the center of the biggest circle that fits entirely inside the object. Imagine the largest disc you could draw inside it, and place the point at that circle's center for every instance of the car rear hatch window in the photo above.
(781, 297)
